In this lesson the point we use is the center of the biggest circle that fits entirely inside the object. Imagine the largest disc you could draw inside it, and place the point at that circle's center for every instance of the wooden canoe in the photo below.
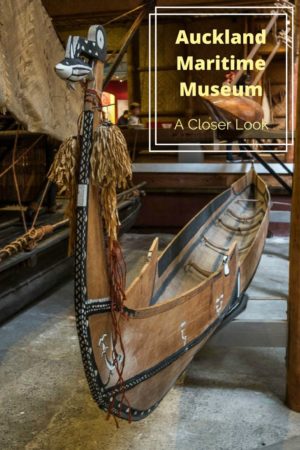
(178, 300)
(133, 354)
(235, 111)
(242, 108)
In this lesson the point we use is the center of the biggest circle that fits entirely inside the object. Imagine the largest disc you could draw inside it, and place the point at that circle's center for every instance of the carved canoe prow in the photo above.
(243, 108)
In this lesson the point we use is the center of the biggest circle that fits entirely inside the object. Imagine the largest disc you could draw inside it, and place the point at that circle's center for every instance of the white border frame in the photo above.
(291, 8)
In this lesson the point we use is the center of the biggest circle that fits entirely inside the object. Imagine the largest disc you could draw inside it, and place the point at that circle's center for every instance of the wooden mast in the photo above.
(293, 348)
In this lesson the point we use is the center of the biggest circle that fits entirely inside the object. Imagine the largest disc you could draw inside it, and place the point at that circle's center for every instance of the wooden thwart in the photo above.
(193, 265)
(239, 229)
(244, 219)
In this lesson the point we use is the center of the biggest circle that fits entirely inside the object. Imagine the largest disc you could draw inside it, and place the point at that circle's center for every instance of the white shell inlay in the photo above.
(82, 195)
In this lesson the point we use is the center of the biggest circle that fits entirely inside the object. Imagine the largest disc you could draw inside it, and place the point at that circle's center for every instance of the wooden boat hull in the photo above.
(167, 323)
(151, 374)
(235, 111)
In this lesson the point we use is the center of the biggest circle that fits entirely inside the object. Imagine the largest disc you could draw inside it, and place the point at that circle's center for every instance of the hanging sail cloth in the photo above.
(29, 88)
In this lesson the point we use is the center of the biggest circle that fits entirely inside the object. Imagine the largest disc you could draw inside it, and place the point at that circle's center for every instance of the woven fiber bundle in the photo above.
(63, 169)
(110, 170)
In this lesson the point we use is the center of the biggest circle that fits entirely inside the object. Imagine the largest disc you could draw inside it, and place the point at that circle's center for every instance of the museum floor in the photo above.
(231, 397)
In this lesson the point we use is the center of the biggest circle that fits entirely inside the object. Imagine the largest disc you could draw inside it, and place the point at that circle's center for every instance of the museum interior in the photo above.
(149, 172)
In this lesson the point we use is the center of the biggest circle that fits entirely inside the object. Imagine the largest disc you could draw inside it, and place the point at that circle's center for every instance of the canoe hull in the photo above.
(161, 337)
(234, 111)
(171, 336)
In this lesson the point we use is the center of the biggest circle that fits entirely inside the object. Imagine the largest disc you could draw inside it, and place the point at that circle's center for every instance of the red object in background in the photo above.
(105, 98)
(119, 90)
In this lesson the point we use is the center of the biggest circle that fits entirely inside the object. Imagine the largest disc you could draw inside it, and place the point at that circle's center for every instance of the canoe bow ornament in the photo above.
(73, 67)
(84, 62)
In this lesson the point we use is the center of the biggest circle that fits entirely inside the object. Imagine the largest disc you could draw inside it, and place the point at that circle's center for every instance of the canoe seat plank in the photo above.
(191, 265)
(239, 229)
(246, 218)
(222, 250)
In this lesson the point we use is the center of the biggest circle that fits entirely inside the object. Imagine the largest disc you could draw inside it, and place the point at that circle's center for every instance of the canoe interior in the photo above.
(198, 250)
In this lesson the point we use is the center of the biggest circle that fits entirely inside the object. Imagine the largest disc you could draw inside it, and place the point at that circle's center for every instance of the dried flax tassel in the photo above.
(63, 172)
(110, 169)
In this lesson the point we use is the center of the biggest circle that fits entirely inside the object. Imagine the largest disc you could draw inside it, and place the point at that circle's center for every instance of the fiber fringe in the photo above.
(110, 170)
(63, 172)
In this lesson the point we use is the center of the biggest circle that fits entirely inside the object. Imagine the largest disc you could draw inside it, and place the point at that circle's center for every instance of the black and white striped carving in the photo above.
(77, 64)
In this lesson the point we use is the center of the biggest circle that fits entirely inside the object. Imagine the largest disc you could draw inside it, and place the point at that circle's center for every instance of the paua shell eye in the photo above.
(100, 39)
